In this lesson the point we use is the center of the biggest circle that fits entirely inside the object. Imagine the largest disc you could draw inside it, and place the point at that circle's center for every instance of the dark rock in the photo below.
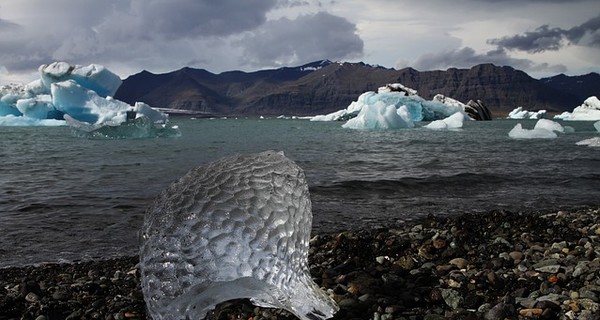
(478, 111)
(501, 311)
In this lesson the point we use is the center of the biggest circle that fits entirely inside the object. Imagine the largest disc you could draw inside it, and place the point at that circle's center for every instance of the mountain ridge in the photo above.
(323, 86)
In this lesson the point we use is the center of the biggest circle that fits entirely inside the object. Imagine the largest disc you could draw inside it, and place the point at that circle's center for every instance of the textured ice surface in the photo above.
(238, 227)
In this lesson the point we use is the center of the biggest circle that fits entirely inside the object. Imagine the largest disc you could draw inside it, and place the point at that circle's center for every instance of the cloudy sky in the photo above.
(541, 37)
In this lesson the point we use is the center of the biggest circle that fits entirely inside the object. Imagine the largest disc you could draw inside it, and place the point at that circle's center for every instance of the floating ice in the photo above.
(379, 116)
(549, 125)
(19, 121)
(9, 94)
(519, 113)
(588, 111)
(238, 227)
(454, 121)
(93, 77)
(397, 95)
(138, 128)
(86, 105)
(597, 126)
(543, 129)
(84, 94)
(591, 142)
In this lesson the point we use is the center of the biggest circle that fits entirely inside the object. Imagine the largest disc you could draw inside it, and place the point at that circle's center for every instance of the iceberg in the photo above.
(549, 125)
(138, 128)
(454, 121)
(591, 142)
(380, 116)
(9, 95)
(395, 95)
(238, 227)
(84, 94)
(86, 105)
(519, 113)
(93, 77)
(543, 129)
(518, 132)
(19, 121)
(588, 111)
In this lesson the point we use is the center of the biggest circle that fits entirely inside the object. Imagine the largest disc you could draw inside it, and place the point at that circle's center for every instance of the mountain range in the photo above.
(323, 86)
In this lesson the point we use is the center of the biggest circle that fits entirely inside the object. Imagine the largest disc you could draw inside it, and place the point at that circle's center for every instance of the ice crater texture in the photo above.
(238, 227)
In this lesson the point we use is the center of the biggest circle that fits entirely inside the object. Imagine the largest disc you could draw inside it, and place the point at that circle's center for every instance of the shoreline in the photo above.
(498, 265)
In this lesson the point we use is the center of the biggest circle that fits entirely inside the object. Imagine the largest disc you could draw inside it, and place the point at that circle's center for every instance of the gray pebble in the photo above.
(32, 297)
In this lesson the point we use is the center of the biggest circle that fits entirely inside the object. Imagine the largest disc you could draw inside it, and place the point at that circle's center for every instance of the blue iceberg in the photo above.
(83, 96)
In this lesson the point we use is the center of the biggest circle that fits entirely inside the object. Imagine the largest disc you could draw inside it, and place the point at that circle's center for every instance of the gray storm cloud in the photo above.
(165, 33)
(467, 57)
(545, 38)
(304, 39)
(176, 19)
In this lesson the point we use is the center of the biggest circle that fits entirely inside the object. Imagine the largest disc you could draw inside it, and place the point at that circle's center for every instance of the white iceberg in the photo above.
(549, 125)
(380, 116)
(454, 121)
(588, 111)
(518, 132)
(519, 113)
(395, 95)
(591, 142)
(543, 129)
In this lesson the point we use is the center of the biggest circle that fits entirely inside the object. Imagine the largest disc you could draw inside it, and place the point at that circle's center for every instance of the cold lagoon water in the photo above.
(64, 198)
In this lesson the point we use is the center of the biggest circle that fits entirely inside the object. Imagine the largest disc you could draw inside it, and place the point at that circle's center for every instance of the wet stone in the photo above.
(460, 263)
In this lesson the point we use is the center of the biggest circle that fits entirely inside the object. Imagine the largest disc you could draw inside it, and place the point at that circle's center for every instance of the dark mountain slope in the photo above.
(582, 86)
(323, 86)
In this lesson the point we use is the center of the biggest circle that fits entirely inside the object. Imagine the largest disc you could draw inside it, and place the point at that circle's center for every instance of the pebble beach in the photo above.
(499, 265)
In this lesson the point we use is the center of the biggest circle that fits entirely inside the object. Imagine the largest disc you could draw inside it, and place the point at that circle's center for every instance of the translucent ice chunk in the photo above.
(238, 227)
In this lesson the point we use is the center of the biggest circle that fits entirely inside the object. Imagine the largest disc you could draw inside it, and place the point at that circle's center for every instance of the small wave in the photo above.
(436, 183)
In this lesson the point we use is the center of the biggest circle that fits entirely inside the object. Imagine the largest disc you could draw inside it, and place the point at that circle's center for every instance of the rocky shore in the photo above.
(500, 265)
